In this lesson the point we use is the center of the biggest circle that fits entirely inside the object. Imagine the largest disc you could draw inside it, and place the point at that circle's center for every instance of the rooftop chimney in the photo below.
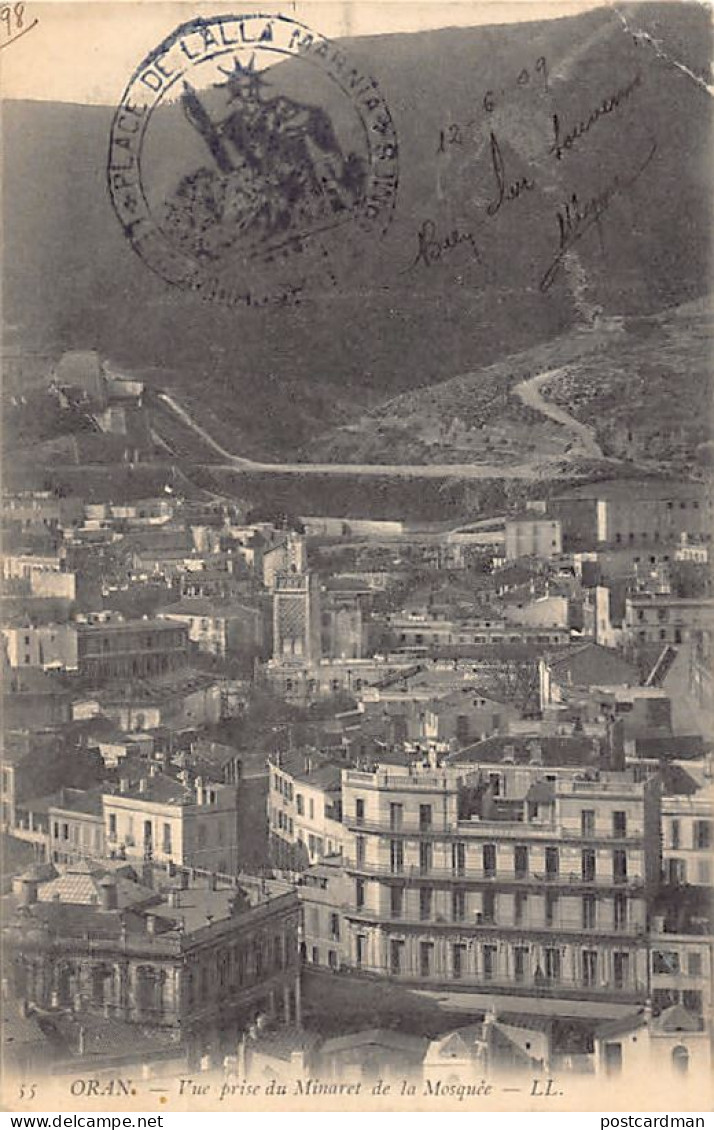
(124, 785)
(151, 924)
(28, 891)
(108, 893)
(143, 785)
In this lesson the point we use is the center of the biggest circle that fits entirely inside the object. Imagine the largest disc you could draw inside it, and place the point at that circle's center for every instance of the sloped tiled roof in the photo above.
(80, 885)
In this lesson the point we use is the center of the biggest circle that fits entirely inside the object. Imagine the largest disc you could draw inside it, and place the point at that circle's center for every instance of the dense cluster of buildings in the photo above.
(255, 770)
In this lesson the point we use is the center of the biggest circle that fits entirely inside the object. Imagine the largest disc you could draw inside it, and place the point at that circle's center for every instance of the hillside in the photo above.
(273, 384)
(645, 377)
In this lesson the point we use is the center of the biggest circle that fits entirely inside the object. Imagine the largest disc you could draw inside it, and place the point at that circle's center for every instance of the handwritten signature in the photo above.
(432, 246)
(576, 217)
(564, 141)
(13, 23)
(506, 191)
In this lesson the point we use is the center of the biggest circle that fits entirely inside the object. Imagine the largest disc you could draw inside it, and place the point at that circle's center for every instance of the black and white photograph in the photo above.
(357, 608)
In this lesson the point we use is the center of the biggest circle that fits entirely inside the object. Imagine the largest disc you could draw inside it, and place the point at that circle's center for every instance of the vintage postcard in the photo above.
(356, 515)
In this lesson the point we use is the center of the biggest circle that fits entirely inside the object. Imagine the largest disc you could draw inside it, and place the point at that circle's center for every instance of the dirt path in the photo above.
(584, 442)
(396, 470)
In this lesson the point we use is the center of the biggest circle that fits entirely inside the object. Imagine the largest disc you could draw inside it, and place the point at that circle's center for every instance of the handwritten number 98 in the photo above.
(11, 16)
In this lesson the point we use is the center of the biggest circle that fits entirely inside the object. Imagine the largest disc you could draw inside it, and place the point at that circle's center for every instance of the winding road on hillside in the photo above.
(584, 441)
(584, 444)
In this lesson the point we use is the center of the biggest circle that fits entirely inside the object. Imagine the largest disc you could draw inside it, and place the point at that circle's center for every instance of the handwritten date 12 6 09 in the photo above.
(14, 23)
(456, 133)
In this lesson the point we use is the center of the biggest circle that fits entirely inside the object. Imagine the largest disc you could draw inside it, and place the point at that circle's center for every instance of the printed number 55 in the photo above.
(28, 1090)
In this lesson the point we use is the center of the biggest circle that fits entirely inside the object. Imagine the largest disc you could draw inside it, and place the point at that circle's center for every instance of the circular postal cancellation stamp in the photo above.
(250, 158)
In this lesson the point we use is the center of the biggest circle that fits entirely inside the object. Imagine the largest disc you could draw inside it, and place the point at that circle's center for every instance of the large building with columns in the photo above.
(507, 873)
(202, 954)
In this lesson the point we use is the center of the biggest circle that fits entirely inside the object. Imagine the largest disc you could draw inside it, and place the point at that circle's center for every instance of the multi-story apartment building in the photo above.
(324, 891)
(164, 820)
(76, 825)
(40, 511)
(48, 647)
(527, 878)
(682, 951)
(532, 534)
(130, 649)
(219, 627)
(429, 631)
(655, 618)
(100, 649)
(688, 838)
(631, 513)
(304, 809)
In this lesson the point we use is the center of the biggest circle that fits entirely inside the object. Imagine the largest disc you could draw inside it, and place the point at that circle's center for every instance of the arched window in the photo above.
(680, 1059)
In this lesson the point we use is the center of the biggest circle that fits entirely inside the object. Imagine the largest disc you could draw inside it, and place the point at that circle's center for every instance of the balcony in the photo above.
(526, 984)
(482, 927)
(474, 829)
(572, 881)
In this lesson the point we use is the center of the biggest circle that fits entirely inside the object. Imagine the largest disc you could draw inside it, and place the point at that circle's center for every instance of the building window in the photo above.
(587, 822)
(620, 911)
(166, 843)
(425, 858)
(112, 826)
(552, 865)
(587, 865)
(619, 825)
(359, 810)
(458, 858)
(619, 865)
(425, 900)
(520, 962)
(335, 926)
(702, 835)
(552, 964)
(315, 955)
(458, 904)
(674, 827)
(694, 964)
(300, 804)
(458, 955)
(589, 912)
(396, 856)
(360, 849)
(490, 954)
(332, 959)
(589, 967)
(489, 906)
(396, 949)
(359, 893)
(424, 817)
(396, 814)
(395, 901)
(426, 958)
(360, 949)
(519, 907)
(551, 905)
(489, 860)
(665, 961)
(620, 967)
(520, 861)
